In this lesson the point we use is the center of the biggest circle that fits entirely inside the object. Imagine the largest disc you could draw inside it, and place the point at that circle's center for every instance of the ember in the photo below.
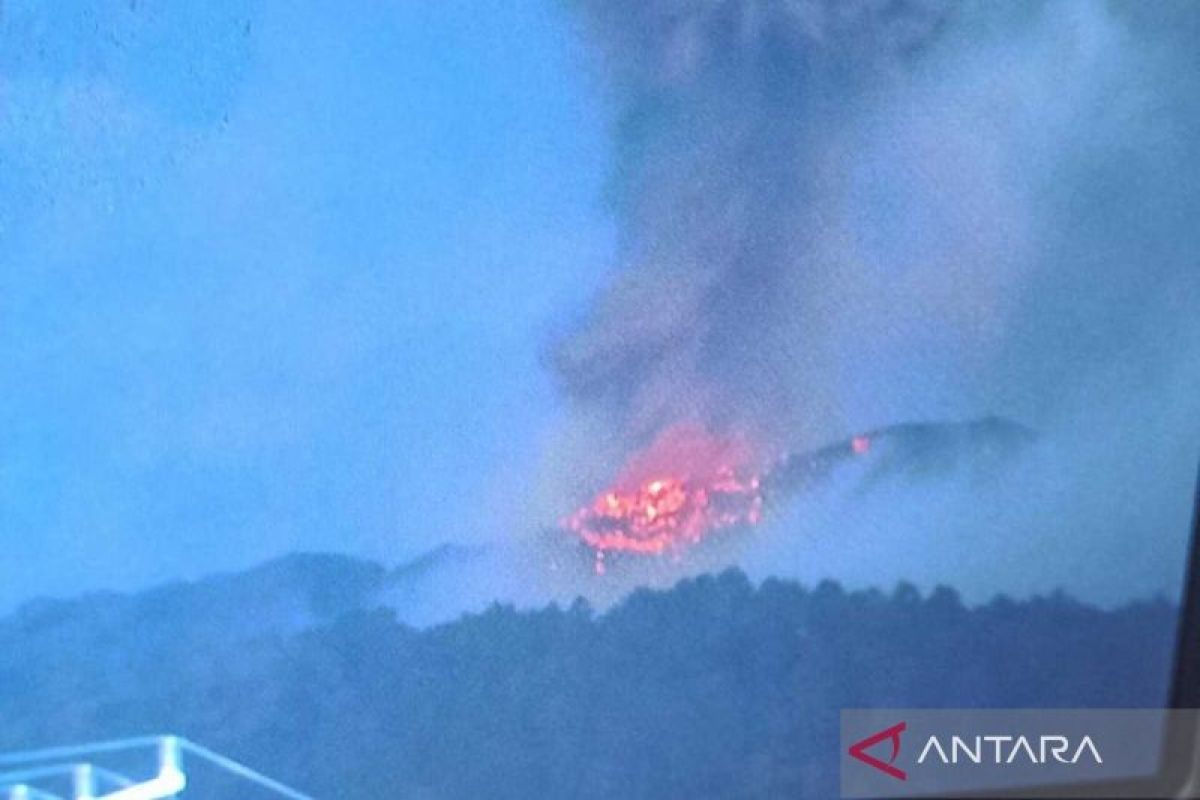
(687, 484)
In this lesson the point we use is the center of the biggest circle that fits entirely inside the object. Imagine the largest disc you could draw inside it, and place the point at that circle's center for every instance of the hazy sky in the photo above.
(273, 277)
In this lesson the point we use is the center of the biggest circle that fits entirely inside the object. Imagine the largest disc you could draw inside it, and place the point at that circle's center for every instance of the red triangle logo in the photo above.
(859, 750)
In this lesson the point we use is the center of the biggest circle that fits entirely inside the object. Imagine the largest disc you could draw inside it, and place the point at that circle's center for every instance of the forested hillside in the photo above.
(716, 688)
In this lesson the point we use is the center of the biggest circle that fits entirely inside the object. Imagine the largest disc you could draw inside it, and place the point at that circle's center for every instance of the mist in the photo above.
(233, 334)
(835, 216)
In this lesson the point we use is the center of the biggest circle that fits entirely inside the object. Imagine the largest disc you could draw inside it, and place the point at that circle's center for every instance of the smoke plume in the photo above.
(840, 215)
(732, 113)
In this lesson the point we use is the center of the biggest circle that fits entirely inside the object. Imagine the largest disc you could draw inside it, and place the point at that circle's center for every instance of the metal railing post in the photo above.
(84, 777)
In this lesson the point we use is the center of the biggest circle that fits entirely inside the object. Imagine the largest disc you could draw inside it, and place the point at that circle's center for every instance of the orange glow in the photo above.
(685, 485)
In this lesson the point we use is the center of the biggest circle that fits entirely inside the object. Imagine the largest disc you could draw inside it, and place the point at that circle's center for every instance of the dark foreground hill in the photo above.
(716, 688)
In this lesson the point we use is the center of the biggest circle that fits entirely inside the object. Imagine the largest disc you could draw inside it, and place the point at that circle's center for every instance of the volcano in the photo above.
(689, 484)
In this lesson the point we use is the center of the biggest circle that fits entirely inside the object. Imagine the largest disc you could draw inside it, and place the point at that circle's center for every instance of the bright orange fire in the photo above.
(685, 485)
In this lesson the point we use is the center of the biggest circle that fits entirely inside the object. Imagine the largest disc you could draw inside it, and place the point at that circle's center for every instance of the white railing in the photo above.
(24, 775)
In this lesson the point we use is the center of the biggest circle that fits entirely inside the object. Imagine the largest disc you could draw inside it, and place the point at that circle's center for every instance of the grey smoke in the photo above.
(839, 215)
(729, 113)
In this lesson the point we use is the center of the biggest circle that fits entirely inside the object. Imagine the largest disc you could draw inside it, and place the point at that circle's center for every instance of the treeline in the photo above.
(716, 688)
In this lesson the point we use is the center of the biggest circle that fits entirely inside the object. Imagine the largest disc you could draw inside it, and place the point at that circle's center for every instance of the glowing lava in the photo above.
(687, 484)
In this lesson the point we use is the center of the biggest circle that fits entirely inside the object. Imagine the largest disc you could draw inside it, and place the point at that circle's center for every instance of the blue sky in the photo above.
(276, 277)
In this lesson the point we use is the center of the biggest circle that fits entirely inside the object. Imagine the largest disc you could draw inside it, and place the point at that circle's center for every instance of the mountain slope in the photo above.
(716, 687)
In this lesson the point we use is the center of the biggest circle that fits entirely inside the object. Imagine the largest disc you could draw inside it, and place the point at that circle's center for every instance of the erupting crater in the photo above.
(686, 485)
(690, 483)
